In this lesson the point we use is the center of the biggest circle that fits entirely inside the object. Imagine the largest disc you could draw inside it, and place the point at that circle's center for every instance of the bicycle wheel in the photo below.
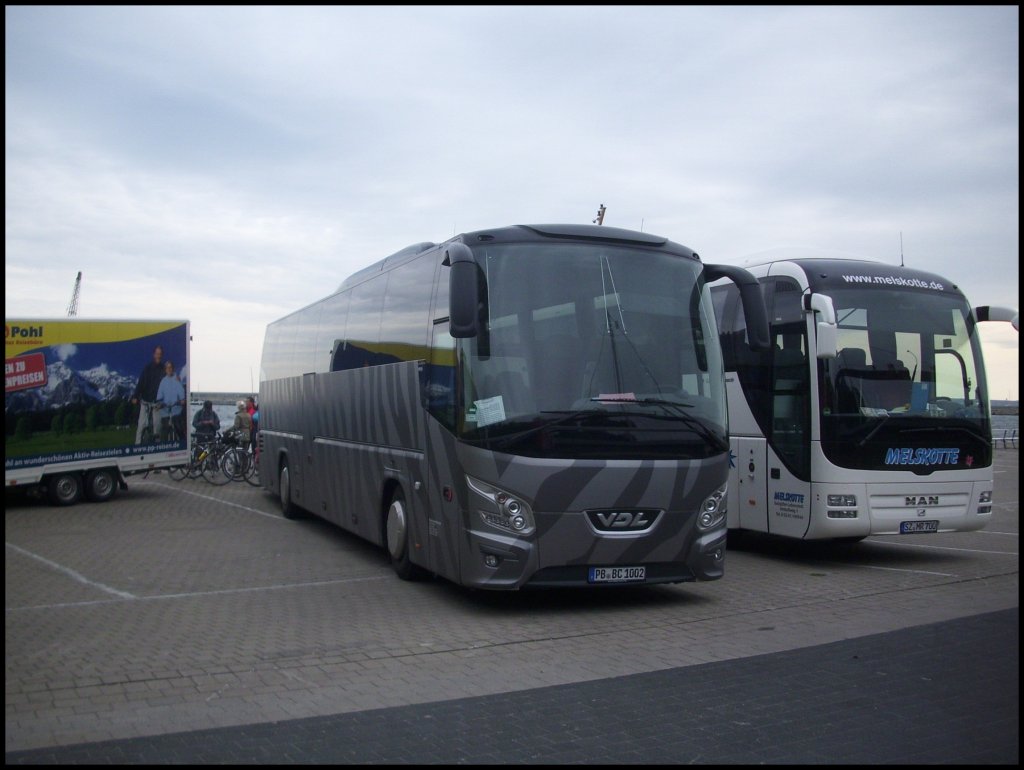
(212, 470)
(199, 452)
(178, 472)
(235, 463)
(253, 474)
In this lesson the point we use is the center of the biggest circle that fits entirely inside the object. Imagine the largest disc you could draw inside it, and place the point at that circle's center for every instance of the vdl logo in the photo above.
(620, 520)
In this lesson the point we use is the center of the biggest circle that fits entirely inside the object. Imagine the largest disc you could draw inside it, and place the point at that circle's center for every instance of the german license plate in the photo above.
(913, 527)
(617, 574)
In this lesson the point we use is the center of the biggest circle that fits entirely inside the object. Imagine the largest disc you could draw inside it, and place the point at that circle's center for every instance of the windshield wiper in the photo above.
(871, 433)
(675, 408)
(566, 417)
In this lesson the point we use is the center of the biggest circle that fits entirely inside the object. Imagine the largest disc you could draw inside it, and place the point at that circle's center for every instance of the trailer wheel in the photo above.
(64, 488)
(288, 508)
(396, 529)
(100, 485)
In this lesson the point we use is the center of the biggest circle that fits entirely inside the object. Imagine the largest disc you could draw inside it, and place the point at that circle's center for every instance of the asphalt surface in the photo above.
(946, 693)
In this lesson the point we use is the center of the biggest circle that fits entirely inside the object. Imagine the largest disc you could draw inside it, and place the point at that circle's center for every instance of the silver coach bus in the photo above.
(869, 412)
(521, 407)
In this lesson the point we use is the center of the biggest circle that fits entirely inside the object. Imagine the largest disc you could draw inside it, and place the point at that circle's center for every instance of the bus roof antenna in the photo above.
(600, 216)
(901, 248)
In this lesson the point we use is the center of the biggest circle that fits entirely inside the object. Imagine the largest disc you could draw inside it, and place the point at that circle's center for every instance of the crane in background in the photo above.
(73, 305)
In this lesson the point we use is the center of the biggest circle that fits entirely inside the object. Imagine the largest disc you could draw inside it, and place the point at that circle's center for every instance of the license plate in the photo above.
(912, 527)
(617, 574)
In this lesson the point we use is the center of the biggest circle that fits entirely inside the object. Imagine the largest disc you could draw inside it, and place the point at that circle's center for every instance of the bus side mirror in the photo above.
(463, 291)
(992, 313)
(827, 332)
(828, 340)
(755, 313)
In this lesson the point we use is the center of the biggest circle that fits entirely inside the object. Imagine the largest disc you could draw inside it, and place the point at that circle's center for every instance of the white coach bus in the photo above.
(868, 414)
(527, 406)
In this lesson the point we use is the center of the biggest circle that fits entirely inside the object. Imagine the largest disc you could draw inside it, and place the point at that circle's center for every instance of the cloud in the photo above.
(231, 165)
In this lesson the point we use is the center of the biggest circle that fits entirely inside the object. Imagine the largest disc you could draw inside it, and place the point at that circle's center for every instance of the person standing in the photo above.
(254, 413)
(242, 426)
(171, 393)
(206, 422)
(145, 395)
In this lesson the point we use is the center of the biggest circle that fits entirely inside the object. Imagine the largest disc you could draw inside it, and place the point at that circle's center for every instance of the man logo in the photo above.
(914, 501)
(623, 521)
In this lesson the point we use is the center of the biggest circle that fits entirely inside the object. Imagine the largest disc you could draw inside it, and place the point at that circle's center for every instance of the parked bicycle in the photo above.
(203, 449)
(239, 461)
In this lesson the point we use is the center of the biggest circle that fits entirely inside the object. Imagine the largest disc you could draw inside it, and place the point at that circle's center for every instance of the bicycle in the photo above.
(210, 461)
(200, 448)
(238, 462)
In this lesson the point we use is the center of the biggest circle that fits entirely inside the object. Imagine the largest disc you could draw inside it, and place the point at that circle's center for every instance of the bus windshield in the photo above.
(592, 350)
(909, 376)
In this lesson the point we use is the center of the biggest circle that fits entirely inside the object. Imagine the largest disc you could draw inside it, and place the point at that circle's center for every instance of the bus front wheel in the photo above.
(397, 539)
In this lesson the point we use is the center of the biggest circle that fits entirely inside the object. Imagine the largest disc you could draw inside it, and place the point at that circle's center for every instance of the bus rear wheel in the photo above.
(396, 530)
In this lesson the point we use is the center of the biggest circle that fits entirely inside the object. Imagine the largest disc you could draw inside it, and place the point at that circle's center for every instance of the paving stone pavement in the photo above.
(182, 623)
(944, 693)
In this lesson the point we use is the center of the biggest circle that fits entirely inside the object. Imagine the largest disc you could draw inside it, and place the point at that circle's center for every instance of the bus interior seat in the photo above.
(890, 384)
(853, 366)
(853, 360)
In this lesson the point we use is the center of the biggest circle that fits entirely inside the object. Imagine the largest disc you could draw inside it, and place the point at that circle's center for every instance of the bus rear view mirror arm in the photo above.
(993, 313)
(754, 310)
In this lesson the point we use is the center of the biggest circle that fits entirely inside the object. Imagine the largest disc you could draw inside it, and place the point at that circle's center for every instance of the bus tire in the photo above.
(396, 531)
(288, 508)
(100, 485)
(64, 488)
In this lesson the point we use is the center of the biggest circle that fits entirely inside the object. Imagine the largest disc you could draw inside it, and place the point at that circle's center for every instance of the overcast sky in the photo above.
(229, 165)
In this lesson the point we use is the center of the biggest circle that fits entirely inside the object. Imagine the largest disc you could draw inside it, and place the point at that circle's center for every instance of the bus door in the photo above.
(764, 496)
(440, 387)
(788, 498)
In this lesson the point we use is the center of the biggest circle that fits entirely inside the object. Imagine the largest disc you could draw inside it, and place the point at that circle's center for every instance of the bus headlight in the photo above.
(986, 502)
(713, 509)
(841, 506)
(843, 501)
(502, 509)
